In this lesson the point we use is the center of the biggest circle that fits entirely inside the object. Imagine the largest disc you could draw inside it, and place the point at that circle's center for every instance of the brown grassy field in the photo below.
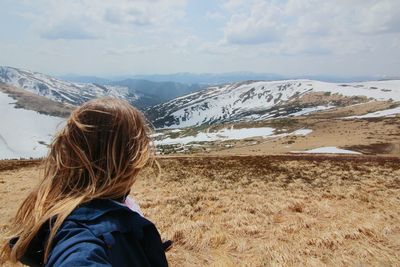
(261, 210)
(379, 136)
(369, 136)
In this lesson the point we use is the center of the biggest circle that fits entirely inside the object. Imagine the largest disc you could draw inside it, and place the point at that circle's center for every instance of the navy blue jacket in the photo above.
(100, 233)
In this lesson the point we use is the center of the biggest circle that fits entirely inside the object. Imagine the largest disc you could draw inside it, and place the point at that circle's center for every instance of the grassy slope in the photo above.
(262, 211)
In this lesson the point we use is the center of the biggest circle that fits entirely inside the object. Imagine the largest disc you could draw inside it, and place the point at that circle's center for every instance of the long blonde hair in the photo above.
(98, 154)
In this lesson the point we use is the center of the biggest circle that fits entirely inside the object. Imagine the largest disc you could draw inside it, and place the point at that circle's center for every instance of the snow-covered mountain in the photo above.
(261, 100)
(32, 106)
(63, 91)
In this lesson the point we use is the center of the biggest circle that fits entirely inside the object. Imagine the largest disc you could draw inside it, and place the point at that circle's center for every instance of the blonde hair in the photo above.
(98, 154)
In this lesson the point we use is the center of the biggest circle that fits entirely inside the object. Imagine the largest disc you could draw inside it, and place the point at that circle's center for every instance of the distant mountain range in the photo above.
(160, 91)
(34, 104)
(220, 78)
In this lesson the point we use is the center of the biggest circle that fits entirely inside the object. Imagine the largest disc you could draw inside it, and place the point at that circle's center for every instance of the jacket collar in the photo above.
(96, 208)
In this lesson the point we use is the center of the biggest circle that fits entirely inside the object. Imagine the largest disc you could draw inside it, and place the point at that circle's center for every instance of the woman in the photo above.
(76, 216)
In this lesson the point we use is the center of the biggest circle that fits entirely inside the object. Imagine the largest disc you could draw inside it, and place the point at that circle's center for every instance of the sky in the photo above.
(127, 37)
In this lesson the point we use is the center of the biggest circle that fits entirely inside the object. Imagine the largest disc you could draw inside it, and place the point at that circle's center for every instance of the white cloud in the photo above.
(215, 15)
(261, 24)
(219, 48)
(73, 29)
(131, 50)
(233, 5)
(63, 19)
(312, 36)
(266, 21)
(287, 36)
(380, 17)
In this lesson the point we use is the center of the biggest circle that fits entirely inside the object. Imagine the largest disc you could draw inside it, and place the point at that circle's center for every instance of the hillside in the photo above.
(251, 117)
(63, 91)
(30, 101)
(257, 100)
(259, 211)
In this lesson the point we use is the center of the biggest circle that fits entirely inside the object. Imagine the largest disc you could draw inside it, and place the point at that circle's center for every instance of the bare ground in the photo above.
(286, 210)
(375, 136)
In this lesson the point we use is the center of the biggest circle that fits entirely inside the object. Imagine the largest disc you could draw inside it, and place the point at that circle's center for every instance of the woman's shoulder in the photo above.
(106, 230)
(103, 216)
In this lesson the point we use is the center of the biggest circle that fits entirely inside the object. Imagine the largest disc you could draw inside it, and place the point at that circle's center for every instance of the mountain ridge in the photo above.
(30, 101)
(62, 91)
(265, 99)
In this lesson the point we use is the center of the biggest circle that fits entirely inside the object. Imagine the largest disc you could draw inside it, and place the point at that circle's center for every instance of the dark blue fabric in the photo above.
(105, 233)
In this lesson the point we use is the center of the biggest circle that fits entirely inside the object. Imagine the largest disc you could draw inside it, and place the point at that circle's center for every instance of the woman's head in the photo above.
(97, 154)
(100, 150)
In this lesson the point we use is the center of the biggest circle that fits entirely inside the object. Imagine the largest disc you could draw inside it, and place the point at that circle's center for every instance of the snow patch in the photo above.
(24, 133)
(156, 135)
(302, 132)
(328, 150)
(229, 134)
(382, 113)
(224, 134)
(306, 111)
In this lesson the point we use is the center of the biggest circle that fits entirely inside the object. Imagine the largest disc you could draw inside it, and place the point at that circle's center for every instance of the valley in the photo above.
(240, 118)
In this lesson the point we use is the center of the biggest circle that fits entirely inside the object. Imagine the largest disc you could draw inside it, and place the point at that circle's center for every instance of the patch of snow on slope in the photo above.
(21, 131)
(156, 135)
(382, 113)
(224, 134)
(302, 132)
(229, 134)
(306, 111)
(327, 150)
(379, 90)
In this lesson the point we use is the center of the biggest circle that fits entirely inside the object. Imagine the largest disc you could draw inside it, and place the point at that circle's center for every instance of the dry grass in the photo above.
(264, 210)
(378, 136)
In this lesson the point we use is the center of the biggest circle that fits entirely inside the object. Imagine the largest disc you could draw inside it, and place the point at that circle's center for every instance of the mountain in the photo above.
(204, 78)
(161, 91)
(84, 79)
(231, 77)
(258, 100)
(78, 89)
(66, 92)
(23, 99)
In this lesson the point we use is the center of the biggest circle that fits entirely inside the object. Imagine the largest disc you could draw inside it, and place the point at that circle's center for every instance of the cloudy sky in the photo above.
(119, 37)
